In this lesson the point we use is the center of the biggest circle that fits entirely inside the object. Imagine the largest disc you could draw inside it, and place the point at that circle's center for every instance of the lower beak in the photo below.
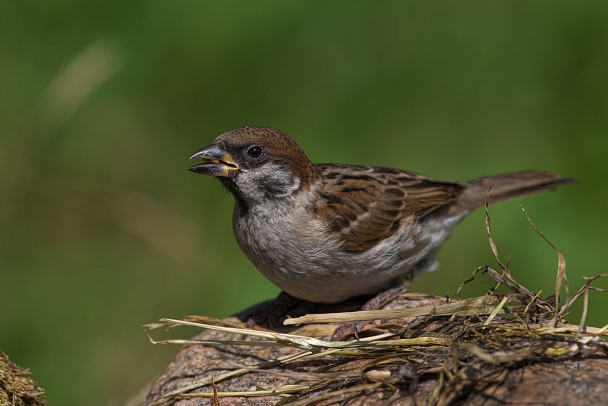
(216, 162)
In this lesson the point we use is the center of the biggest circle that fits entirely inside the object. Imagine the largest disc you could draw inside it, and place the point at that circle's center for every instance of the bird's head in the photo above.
(256, 163)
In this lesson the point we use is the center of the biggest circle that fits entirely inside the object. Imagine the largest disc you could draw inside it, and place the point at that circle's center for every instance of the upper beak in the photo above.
(216, 162)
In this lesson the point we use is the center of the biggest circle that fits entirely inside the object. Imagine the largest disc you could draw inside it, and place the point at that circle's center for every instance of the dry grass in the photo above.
(17, 387)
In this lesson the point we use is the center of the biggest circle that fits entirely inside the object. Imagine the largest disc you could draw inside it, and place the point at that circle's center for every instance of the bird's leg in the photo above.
(375, 303)
(271, 312)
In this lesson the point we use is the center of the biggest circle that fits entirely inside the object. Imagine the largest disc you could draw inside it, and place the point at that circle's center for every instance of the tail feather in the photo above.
(509, 186)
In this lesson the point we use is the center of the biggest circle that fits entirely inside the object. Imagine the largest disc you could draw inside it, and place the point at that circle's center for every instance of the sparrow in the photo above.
(329, 232)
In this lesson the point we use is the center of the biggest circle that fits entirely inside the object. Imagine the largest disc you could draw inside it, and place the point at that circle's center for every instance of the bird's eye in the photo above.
(255, 151)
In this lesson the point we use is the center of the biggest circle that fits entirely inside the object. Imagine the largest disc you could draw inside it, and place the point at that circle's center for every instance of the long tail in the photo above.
(509, 186)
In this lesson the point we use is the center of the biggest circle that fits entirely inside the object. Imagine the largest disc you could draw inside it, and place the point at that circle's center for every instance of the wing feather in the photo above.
(363, 205)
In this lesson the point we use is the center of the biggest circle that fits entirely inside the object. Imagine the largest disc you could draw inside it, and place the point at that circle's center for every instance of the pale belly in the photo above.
(297, 259)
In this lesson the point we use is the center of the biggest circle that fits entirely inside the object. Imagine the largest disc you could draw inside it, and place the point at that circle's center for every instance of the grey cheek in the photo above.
(270, 180)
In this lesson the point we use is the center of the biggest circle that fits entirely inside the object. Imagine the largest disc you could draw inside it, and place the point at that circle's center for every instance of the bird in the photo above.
(325, 233)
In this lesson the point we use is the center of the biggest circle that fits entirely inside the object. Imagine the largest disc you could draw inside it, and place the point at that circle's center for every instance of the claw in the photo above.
(346, 329)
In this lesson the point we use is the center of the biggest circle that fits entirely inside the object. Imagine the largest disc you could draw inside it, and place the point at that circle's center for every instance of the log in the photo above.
(466, 359)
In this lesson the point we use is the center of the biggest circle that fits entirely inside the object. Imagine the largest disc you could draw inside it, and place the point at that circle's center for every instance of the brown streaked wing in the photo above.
(363, 205)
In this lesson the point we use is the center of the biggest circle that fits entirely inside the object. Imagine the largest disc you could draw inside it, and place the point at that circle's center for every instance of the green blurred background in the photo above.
(101, 103)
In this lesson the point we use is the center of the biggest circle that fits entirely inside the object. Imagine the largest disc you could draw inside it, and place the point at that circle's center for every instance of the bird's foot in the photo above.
(377, 302)
(271, 313)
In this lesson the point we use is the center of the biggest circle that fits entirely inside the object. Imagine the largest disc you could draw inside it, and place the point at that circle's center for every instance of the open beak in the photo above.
(216, 162)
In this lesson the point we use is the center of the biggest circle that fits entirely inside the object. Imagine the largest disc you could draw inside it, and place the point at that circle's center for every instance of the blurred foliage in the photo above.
(101, 103)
